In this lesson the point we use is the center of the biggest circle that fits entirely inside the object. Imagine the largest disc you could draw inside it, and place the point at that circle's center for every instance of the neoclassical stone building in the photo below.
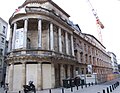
(46, 47)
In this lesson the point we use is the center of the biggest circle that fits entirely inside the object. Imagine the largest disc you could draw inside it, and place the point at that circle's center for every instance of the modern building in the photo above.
(46, 47)
(3, 36)
(114, 62)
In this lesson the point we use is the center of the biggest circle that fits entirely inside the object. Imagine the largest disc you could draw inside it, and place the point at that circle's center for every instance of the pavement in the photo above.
(89, 89)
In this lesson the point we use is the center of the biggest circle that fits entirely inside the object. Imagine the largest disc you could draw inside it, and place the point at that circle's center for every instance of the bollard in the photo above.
(19, 91)
(62, 90)
(107, 90)
(117, 84)
(77, 87)
(92, 83)
(95, 83)
(114, 86)
(103, 91)
(71, 89)
(82, 86)
(6, 91)
(49, 90)
(110, 89)
(89, 84)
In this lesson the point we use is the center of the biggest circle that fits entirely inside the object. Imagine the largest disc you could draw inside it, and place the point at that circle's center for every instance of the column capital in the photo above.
(23, 62)
(39, 18)
(12, 63)
(26, 19)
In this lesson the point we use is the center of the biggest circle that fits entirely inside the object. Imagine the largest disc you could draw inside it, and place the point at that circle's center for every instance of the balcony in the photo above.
(39, 53)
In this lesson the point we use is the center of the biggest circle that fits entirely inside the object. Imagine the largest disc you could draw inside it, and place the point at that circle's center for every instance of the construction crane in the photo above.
(98, 22)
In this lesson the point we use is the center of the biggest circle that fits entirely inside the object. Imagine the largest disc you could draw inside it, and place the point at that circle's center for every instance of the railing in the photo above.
(39, 53)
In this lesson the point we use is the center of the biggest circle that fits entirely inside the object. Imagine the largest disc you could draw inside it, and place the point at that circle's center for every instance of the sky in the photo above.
(81, 14)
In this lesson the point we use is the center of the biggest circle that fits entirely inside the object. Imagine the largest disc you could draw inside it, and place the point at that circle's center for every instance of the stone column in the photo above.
(51, 37)
(39, 76)
(48, 39)
(7, 74)
(61, 74)
(74, 71)
(10, 39)
(60, 41)
(68, 71)
(25, 33)
(11, 77)
(39, 33)
(13, 36)
(53, 75)
(72, 46)
(66, 42)
(84, 58)
(23, 74)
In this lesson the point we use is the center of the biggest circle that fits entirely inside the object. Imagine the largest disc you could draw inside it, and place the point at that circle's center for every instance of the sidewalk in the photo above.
(89, 89)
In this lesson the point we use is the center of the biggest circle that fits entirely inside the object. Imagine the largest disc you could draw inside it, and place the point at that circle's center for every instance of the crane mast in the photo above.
(98, 22)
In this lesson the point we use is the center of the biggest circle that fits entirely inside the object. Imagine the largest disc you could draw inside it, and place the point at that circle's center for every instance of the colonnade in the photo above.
(51, 38)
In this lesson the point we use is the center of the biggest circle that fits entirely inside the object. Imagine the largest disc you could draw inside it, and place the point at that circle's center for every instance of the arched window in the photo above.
(28, 43)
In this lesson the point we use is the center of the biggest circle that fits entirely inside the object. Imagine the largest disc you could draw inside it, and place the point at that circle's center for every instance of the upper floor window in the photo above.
(28, 43)
(4, 28)
(80, 43)
(89, 49)
(74, 41)
(2, 40)
(0, 62)
(1, 51)
(85, 47)
(93, 51)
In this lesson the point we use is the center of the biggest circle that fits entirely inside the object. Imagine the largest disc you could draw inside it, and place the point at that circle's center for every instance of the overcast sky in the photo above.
(80, 12)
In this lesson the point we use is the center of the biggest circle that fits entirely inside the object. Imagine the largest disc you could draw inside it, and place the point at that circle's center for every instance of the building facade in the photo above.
(46, 47)
(3, 36)
(114, 62)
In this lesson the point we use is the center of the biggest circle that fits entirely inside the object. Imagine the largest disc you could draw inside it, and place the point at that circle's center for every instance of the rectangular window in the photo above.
(4, 28)
(2, 40)
(1, 51)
